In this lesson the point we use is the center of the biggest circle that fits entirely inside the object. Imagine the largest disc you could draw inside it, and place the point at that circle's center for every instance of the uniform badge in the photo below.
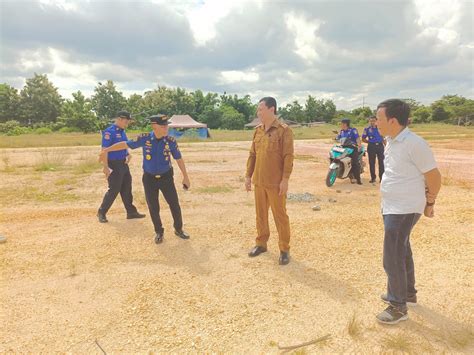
(148, 157)
(107, 135)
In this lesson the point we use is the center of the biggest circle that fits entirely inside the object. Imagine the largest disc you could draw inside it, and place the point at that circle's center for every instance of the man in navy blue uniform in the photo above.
(158, 148)
(116, 169)
(375, 148)
(353, 136)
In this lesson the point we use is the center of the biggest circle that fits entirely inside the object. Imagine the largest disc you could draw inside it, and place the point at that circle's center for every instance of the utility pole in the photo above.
(363, 101)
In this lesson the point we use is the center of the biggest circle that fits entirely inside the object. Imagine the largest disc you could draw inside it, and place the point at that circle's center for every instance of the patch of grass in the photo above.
(87, 165)
(50, 160)
(354, 327)
(7, 168)
(17, 195)
(397, 342)
(305, 157)
(214, 189)
(65, 181)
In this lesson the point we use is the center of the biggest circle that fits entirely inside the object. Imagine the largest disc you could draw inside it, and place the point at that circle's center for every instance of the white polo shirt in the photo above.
(407, 158)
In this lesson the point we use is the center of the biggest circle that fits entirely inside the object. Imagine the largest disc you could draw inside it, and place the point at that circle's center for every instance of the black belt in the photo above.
(117, 161)
(378, 143)
(160, 176)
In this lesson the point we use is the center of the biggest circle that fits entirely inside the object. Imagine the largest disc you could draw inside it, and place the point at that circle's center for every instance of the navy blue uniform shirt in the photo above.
(350, 133)
(112, 135)
(372, 135)
(156, 152)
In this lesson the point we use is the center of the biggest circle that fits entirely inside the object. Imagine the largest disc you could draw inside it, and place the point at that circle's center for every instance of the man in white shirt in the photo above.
(409, 188)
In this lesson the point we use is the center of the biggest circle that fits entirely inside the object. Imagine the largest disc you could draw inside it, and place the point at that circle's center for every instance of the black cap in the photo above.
(162, 120)
(124, 114)
(346, 120)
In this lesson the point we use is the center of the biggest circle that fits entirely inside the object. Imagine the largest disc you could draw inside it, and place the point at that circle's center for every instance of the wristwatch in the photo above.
(430, 203)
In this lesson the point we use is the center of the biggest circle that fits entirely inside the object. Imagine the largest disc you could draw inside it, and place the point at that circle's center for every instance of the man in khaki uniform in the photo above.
(270, 163)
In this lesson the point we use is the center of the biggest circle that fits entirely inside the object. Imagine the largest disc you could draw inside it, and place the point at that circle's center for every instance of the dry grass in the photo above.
(7, 168)
(50, 160)
(218, 189)
(397, 342)
(432, 132)
(354, 327)
(87, 165)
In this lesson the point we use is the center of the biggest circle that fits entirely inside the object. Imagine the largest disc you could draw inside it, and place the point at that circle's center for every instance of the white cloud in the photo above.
(237, 76)
(204, 16)
(306, 41)
(439, 18)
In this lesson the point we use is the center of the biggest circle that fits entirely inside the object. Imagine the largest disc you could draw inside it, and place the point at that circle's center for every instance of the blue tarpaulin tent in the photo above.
(185, 125)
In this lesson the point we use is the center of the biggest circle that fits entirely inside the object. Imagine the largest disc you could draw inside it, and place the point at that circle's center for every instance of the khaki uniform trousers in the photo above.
(265, 198)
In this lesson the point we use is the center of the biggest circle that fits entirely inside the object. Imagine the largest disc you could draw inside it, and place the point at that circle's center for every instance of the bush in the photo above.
(43, 130)
(13, 128)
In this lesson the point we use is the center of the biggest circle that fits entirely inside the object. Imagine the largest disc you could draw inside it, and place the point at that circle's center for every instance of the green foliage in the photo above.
(421, 115)
(77, 114)
(107, 101)
(13, 128)
(231, 118)
(9, 103)
(43, 130)
(39, 101)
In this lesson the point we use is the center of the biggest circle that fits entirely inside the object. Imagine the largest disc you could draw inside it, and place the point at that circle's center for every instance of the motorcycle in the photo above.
(340, 161)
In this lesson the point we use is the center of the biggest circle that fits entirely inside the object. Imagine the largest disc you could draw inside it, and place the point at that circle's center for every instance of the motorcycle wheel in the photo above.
(331, 177)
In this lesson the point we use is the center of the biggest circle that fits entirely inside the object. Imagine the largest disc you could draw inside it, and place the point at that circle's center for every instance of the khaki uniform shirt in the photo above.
(271, 155)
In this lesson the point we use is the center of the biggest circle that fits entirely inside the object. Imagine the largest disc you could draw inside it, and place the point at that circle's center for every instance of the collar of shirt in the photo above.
(400, 136)
(117, 128)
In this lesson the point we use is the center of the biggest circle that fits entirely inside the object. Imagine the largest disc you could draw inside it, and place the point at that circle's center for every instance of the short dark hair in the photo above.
(372, 117)
(396, 108)
(269, 102)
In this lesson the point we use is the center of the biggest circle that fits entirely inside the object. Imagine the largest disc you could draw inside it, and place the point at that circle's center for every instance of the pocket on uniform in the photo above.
(274, 144)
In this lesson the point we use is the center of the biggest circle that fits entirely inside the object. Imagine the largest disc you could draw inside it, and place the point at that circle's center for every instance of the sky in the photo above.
(347, 51)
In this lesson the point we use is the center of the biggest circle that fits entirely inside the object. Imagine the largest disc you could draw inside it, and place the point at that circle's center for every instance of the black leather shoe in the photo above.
(159, 237)
(284, 258)
(359, 182)
(135, 215)
(256, 251)
(102, 218)
(372, 181)
(182, 234)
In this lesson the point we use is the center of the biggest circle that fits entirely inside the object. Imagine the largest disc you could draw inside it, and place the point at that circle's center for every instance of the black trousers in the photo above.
(164, 183)
(376, 150)
(355, 163)
(120, 181)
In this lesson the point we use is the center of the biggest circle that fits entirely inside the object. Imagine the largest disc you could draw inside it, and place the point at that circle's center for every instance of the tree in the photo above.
(243, 105)
(463, 114)
(439, 114)
(203, 103)
(212, 117)
(40, 101)
(311, 109)
(362, 112)
(231, 118)
(9, 103)
(77, 113)
(293, 112)
(107, 101)
(414, 105)
(421, 115)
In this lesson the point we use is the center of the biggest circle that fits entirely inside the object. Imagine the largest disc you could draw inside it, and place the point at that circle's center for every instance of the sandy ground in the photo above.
(69, 283)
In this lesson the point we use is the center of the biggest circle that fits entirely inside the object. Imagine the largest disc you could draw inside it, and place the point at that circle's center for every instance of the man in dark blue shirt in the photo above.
(353, 136)
(116, 169)
(158, 148)
(375, 148)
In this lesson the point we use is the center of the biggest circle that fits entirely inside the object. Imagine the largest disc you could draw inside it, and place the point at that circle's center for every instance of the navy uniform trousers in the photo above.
(120, 182)
(153, 184)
